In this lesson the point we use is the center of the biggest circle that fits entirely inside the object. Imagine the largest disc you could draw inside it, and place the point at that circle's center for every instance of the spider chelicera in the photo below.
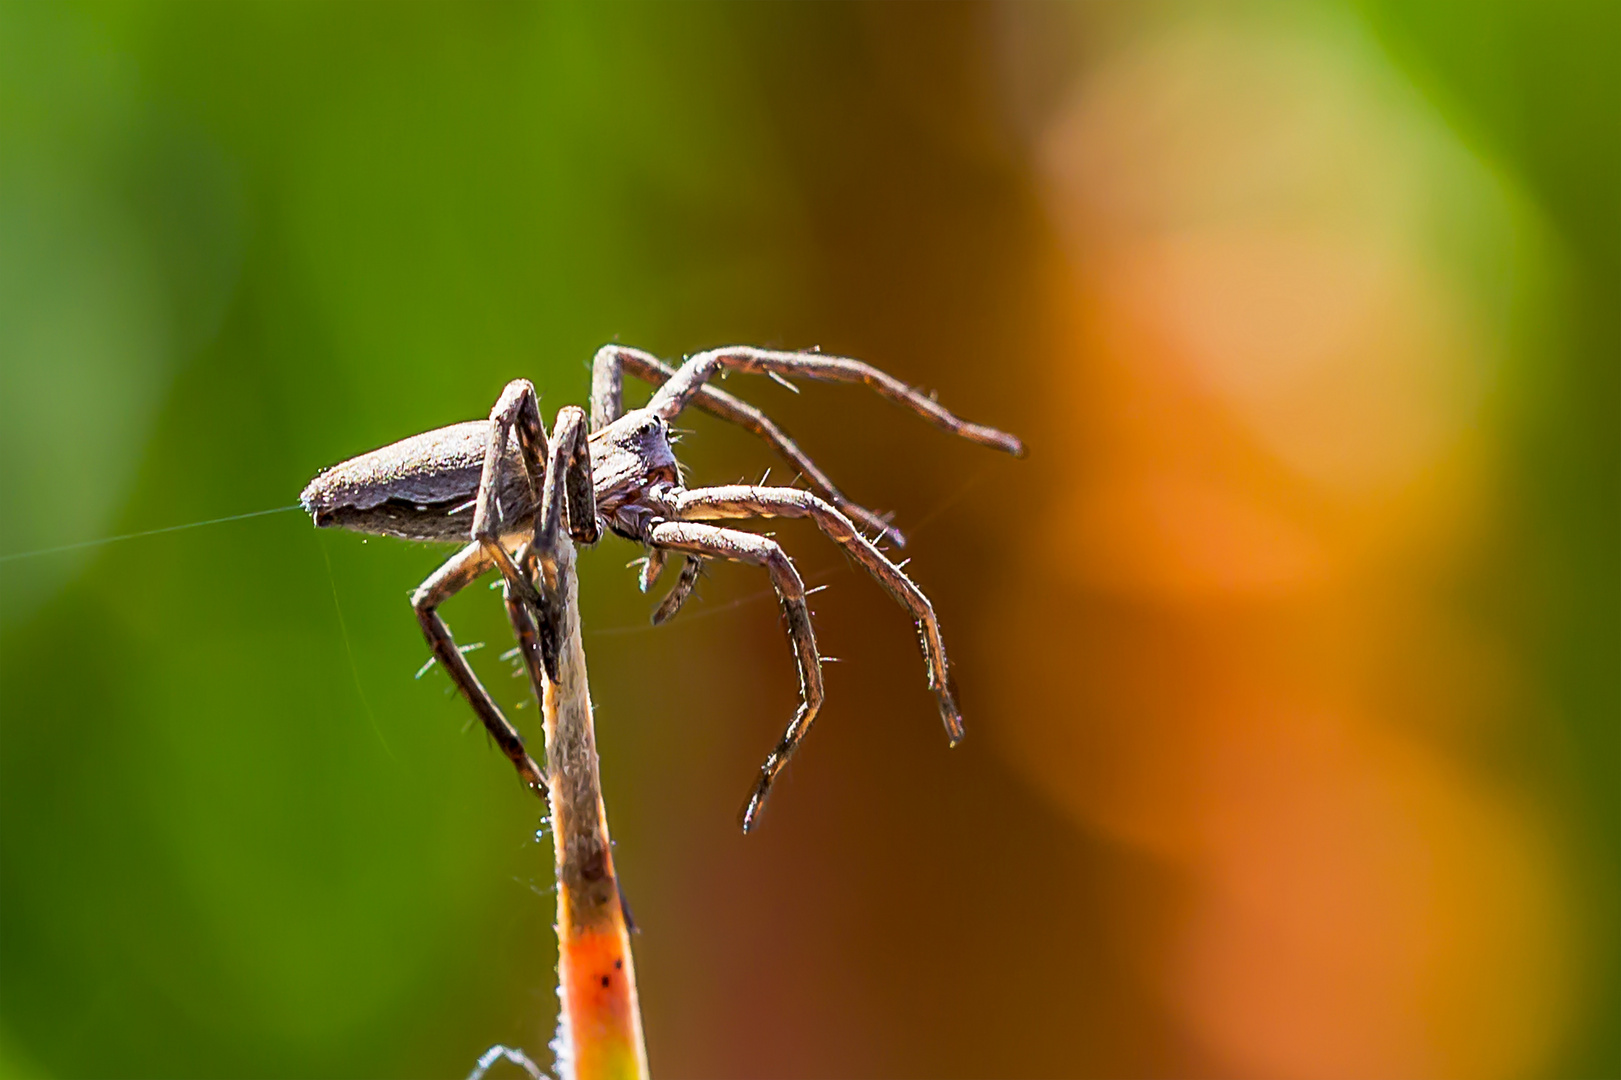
(510, 489)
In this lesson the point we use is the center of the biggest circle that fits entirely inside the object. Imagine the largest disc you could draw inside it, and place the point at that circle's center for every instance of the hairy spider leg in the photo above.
(462, 570)
(678, 593)
(538, 655)
(568, 481)
(652, 568)
(674, 395)
(567, 487)
(607, 405)
(517, 409)
(498, 1052)
(739, 501)
(745, 547)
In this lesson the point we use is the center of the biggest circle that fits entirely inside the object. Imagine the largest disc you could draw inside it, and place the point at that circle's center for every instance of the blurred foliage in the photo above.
(239, 242)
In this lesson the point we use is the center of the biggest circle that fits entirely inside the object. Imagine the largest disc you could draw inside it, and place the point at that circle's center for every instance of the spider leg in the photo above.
(566, 484)
(678, 593)
(708, 540)
(456, 574)
(537, 643)
(652, 568)
(608, 382)
(568, 481)
(518, 410)
(675, 394)
(740, 501)
(607, 405)
(498, 1053)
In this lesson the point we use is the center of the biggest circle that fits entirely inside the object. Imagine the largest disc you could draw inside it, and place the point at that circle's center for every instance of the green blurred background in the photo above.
(1289, 656)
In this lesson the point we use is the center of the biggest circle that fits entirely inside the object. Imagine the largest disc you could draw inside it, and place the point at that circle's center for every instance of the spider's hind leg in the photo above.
(462, 570)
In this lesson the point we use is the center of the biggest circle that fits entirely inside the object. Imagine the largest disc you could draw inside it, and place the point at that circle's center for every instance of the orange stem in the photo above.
(600, 1027)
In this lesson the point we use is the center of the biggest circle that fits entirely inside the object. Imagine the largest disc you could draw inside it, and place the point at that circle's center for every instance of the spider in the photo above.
(507, 490)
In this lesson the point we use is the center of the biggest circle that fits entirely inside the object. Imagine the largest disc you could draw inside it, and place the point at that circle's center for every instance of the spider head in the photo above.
(631, 454)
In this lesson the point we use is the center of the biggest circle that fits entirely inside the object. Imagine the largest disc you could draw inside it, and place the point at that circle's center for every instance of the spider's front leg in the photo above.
(607, 405)
(687, 385)
(742, 501)
(708, 540)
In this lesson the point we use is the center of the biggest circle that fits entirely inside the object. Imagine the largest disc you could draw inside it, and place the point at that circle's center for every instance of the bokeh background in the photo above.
(1290, 655)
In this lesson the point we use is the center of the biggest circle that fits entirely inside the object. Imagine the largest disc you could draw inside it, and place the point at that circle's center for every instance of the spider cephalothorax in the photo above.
(510, 490)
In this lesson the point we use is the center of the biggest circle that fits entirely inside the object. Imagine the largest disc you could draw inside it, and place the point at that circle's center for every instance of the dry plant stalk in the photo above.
(599, 1034)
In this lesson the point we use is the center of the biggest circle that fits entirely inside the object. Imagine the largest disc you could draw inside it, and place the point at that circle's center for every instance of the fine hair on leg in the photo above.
(739, 501)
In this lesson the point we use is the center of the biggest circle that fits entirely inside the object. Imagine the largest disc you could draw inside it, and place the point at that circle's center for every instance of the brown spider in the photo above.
(510, 496)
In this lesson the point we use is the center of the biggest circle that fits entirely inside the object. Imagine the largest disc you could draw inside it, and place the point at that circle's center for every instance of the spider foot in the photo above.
(950, 715)
(762, 788)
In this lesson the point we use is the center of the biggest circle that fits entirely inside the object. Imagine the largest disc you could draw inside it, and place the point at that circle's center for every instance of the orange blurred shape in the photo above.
(1270, 433)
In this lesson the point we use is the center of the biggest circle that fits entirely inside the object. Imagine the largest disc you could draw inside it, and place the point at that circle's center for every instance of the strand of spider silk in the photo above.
(354, 668)
(147, 532)
(599, 1030)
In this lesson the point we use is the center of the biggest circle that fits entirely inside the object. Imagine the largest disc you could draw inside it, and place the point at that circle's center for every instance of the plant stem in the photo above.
(599, 1034)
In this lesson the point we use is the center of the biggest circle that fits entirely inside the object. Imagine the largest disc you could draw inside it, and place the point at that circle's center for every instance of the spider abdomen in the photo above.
(420, 488)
